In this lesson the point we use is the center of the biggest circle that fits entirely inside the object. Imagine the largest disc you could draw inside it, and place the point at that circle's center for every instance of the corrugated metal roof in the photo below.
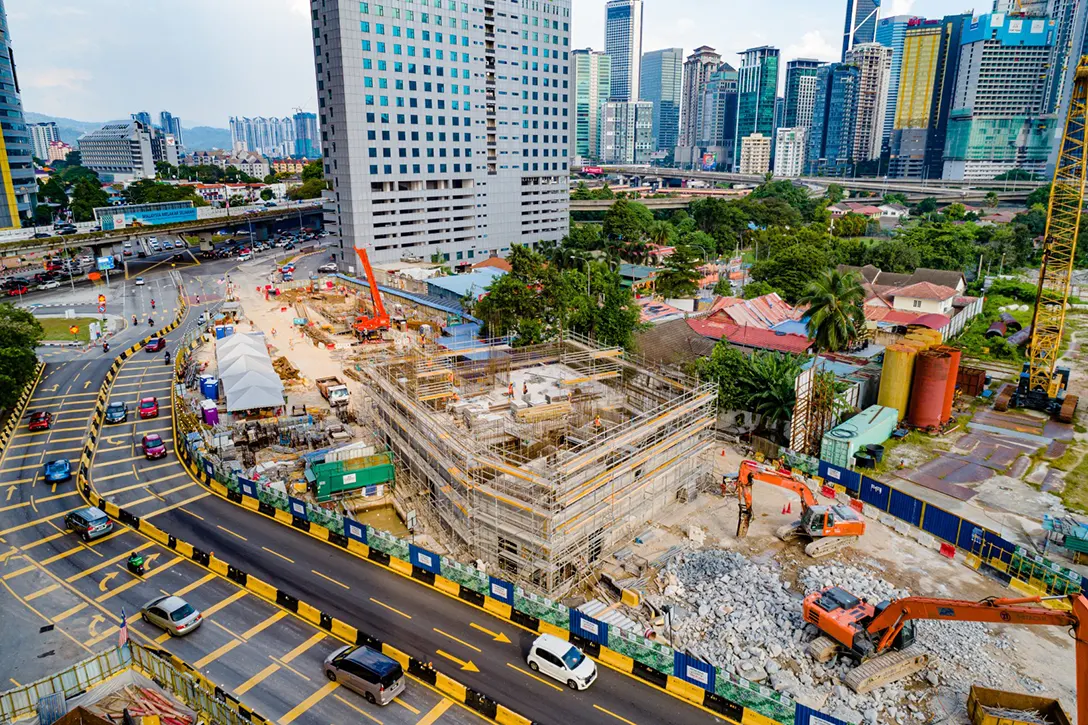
(754, 337)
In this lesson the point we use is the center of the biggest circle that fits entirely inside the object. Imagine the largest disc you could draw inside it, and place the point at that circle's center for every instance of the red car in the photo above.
(149, 407)
(17, 290)
(155, 344)
(153, 446)
(40, 420)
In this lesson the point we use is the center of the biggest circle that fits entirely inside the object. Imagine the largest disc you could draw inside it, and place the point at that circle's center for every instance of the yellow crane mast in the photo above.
(1043, 384)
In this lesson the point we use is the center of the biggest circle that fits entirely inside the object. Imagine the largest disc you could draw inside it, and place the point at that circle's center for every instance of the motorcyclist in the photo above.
(167, 357)
(105, 346)
(150, 322)
(152, 303)
(136, 563)
(134, 319)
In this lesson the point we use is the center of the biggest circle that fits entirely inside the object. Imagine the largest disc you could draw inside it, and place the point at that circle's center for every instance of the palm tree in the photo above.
(768, 382)
(835, 313)
(660, 233)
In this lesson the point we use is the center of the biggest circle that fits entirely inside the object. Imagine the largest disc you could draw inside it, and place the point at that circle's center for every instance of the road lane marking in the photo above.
(224, 603)
(69, 612)
(224, 528)
(41, 592)
(497, 636)
(44, 540)
(216, 654)
(135, 581)
(458, 641)
(35, 522)
(276, 553)
(34, 502)
(288, 667)
(110, 631)
(406, 706)
(314, 639)
(112, 476)
(195, 516)
(190, 587)
(435, 712)
(171, 507)
(256, 680)
(308, 703)
(359, 710)
(466, 665)
(258, 628)
(126, 489)
(391, 609)
(541, 680)
(107, 562)
(328, 578)
(609, 712)
(18, 572)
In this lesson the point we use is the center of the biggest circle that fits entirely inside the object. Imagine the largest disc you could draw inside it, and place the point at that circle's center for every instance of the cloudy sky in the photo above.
(206, 60)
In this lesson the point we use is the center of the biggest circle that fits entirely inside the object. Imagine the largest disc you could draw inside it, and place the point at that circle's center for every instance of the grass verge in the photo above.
(56, 328)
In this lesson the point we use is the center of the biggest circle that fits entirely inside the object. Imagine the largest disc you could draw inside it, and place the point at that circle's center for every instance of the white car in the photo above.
(128, 245)
(52, 284)
(329, 268)
(244, 257)
(152, 240)
(140, 282)
(561, 661)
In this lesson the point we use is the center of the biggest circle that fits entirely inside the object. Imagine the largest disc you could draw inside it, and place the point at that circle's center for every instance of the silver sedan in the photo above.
(173, 614)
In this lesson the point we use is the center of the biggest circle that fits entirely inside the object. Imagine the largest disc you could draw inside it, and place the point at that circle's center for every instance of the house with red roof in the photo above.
(924, 297)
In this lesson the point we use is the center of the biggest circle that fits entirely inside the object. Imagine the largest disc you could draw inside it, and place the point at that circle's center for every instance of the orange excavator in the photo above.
(882, 637)
(826, 528)
(371, 327)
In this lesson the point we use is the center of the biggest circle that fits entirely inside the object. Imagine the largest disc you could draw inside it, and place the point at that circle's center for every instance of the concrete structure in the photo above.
(592, 84)
(421, 165)
(307, 139)
(58, 151)
(789, 152)
(999, 118)
(18, 187)
(623, 43)
(800, 92)
(831, 136)
(874, 62)
(627, 135)
(253, 164)
(860, 26)
(755, 154)
(41, 135)
(119, 152)
(757, 91)
(890, 32)
(661, 83)
(543, 483)
(290, 166)
(698, 67)
(272, 137)
(171, 125)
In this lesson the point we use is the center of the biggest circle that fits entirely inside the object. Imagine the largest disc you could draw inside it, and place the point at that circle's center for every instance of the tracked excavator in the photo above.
(882, 637)
(826, 528)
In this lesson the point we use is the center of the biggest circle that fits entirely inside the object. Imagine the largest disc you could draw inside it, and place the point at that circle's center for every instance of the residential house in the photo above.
(924, 297)
(894, 211)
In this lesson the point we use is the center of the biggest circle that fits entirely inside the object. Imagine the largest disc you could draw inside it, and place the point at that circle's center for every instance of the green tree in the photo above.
(851, 225)
(237, 200)
(660, 233)
(164, 170)
(725, 365)
(895, 197)
(625, 225)
(992, 199)
(925, 206)
(790, 271)
(680, 278)
(835, 193)
(86, 195)
(20, 333)
(266, 194)
(309, 189)
(581, 192)
(893, 255)
(43, 215)
(1015, 175)
(1039, 197)
(272, 178)
(835, 309)
(769, 381)
(723, 287)
(757, 289)
(313, 170)
(955, 212)
(52, 192)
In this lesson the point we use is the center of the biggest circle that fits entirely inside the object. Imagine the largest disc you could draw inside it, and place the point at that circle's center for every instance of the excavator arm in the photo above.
(889, 623)
(752, 471)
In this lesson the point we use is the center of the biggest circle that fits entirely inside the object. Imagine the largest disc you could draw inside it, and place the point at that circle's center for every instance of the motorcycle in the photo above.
(136, 564)
(105, 347)
(168, 358)
(134, 319)
(152, 304)
(150, 322)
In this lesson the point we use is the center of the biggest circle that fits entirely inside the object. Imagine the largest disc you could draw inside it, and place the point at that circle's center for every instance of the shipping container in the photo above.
(931, 371)
(896, 377)
(872, 426)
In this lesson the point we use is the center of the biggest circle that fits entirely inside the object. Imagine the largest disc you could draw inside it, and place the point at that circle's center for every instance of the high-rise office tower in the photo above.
(757, 89)
(1077, 39)
(874, 62)
(41, 135)
(698, 68)
(890, 33)
(623, 43)
(459, 157)
(592, 83)
(627, 132)
(307, 141)
(948, 66)
(717, 121)
(661, 83)
(861, 21)
(918, 83)
(831, 136)
(171, 124)
(142, 117)
(999, 118)
(18, 188)
(800, 92)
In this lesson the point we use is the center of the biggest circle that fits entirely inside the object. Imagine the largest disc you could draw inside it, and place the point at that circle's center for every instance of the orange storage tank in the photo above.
(953, 378)
(931, 371)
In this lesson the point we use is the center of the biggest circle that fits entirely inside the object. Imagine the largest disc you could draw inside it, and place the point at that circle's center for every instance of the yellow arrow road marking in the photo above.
(467, 666)
(102, 585)
(11, 490)
(92, 626)
(497, 636)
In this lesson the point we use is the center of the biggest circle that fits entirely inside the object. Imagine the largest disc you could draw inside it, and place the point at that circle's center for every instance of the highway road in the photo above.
(270, 673)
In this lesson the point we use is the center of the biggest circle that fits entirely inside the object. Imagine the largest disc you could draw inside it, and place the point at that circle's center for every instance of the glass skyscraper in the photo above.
(757, 89)
(661, 84)
(860, 24)
(592, 84)
(890, 33)
(307, 145)
(831, 137)
(623, 42)
(800, 92)
(18, 188)
(171, 124)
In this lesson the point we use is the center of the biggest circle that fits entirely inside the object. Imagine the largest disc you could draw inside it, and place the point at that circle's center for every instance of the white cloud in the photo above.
(67, 78)
(814, 45)
(898, 7)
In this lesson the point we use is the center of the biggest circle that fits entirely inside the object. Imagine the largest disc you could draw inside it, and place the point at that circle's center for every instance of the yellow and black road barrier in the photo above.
(20, 408)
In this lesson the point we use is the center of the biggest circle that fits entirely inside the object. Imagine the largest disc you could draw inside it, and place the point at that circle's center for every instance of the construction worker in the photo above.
(525, 388)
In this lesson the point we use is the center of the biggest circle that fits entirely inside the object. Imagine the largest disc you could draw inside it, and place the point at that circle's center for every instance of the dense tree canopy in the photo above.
(20, 333)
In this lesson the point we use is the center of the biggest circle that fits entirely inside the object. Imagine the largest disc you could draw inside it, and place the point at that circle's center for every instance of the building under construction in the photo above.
(539, 460)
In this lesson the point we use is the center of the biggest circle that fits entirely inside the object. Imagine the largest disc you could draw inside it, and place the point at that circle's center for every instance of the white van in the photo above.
(561, 661)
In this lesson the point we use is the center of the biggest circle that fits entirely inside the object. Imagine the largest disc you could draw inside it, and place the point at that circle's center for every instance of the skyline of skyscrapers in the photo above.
(800, 92)
(757, 91)
(171, 124)
(623, 43)
(661, 83)
(874, 63)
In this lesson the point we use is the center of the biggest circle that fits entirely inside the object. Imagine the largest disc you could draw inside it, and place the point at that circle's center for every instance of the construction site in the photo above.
(539, 461)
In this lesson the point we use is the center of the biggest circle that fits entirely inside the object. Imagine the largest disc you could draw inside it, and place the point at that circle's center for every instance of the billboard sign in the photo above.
(106, 263)
(710, 161)
(592, 170)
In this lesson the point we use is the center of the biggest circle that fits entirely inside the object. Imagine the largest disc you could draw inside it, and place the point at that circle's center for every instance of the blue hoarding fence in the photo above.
(355, 530)
(425, 560)
(502, 590)
(298, 508)
(247, 487)
(850, 480)
(589, 628)
(695, 671)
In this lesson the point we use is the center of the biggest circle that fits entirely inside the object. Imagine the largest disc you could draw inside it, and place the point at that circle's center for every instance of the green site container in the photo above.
(329, 486)
(872, 426)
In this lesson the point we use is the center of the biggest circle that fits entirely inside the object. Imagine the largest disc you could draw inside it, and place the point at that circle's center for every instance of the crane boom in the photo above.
(380, 320)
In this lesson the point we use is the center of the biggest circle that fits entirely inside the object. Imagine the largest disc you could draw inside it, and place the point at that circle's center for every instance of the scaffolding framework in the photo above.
(539, 486)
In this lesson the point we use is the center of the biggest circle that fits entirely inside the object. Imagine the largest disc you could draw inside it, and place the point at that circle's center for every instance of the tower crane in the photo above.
(1043, 385)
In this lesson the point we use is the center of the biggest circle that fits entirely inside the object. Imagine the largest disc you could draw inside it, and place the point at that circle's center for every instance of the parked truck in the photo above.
(333, 390)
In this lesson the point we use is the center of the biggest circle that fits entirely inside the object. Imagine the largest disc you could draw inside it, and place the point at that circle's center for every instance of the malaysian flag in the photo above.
(122, 634)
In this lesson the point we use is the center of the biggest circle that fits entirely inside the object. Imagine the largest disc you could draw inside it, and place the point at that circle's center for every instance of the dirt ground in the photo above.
(898, 559)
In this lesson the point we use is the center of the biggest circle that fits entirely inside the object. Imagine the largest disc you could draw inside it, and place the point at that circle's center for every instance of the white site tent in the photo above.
(245, 371)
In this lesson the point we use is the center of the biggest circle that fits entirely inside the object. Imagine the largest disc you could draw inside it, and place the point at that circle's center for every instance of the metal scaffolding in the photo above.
(539, 460)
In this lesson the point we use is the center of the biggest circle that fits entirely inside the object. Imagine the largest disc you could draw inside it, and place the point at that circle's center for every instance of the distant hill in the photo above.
(199, 138)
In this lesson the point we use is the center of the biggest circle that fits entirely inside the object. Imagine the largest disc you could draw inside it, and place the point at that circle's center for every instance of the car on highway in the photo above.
(245, 256)
(155, 344)
(378, 678)
(41, 235)
(116, 412)
(153, 240)
(57, 471)
(149, 407)
(51, 284)
(128, 253)
(67, 229)
(172, 614)
(126, 245)
(17, 290)
(329, 268)
(153, 446)
(562, 661)
(289, 246)
(140, 282)
(40, 420)
(89, 522)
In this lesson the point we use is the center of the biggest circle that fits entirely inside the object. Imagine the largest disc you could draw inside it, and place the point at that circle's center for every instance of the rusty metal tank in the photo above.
(895, 377)
(953, 378)
(931, 371)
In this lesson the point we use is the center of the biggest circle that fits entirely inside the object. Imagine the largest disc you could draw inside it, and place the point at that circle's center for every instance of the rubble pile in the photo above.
(738, 614)
(285, 369)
